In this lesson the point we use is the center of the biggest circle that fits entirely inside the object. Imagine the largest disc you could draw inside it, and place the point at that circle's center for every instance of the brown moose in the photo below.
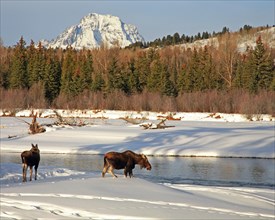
(30, 158)
(125, 160)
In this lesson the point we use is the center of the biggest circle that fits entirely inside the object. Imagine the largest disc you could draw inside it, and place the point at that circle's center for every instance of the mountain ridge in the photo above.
(95, 30)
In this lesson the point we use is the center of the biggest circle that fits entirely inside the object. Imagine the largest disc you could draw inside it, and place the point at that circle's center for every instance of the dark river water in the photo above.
(176, 170)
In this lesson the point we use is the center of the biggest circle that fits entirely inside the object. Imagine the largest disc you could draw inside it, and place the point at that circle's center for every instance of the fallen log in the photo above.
(160, 125)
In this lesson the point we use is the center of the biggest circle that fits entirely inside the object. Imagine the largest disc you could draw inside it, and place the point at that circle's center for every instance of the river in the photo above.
(175, 170)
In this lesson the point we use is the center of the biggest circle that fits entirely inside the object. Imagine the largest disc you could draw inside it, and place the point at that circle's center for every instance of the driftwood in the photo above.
(133, 121)
(34, 126)
(160, 125)
(70, 122)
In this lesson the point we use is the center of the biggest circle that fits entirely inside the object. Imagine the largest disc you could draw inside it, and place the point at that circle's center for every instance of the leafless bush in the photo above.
(234, 101)
(13, 98)
(35, 96)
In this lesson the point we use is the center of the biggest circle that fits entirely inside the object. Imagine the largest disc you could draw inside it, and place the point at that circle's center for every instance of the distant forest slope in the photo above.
(210, 78)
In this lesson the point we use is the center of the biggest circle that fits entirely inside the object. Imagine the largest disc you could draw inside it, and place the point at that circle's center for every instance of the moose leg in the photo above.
(30, 173)
(125, 172)
(111, 171)
(105, 168)
(25, 167)
(35, 169)
(130, 173)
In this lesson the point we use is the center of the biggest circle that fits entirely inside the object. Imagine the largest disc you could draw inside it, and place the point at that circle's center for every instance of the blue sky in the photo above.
(39, 19)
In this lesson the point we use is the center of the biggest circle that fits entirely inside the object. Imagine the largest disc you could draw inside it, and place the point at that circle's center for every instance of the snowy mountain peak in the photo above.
(95, 30)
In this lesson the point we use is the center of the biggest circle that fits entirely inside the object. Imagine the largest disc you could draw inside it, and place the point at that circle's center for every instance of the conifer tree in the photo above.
(239, 80)
(19, 77)
(181, 82)
(154, 82)
(87, 71)
(115, 77)
(193, 76)
(263, 68)
(52, 77)
(176, 38)
(142, 68)
(98, 82)
(36, 63)
(168, 88)
(68, 71)
(134, 82)
(82, 76)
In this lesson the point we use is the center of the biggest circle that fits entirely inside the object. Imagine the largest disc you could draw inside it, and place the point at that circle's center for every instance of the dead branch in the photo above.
(132, 120)
(35, 127)
(22, 120)
(72, 122)
(160, 125)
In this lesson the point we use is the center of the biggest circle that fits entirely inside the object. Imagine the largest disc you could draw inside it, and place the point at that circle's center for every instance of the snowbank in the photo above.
(186, 138)
(86, 197)
(142, 115)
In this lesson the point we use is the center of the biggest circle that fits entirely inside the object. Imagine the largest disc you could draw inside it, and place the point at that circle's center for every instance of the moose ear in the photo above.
(143, 156)
(32, 145)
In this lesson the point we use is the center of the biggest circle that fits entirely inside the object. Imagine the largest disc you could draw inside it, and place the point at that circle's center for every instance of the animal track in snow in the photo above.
(144, 204)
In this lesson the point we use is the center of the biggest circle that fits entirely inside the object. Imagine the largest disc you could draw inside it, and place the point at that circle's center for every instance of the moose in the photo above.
(30, 158)
(125, 160)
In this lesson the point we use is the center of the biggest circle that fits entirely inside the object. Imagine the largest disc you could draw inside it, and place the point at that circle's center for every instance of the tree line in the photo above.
(176, 38)
(169, 73)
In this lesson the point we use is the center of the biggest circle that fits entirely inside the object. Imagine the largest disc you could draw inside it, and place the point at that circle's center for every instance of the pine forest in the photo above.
(156, 78)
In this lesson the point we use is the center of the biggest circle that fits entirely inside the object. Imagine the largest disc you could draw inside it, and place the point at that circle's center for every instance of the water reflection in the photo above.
(258, 172)
(194, 170)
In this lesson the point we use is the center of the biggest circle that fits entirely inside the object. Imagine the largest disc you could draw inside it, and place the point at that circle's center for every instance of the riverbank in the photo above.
(183, 138)
(93, 197)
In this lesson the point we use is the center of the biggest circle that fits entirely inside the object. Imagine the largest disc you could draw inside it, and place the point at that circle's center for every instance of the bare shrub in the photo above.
(61, 101)
(13, 98)
(35, 96)
(155, 101)
(232, 101)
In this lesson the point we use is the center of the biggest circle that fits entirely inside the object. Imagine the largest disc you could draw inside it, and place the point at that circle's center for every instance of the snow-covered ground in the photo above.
(197, 134)
(61, 193)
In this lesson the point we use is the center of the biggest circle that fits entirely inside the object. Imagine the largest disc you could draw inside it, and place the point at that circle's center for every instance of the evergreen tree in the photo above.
(225, 30)
(208, 78)
(68, 71)
(193, 77)
(176, 38)
(181, 82)
(239, 80)
(134, 82)
(245, 72)
(262, 68)
(36, 63)
(19, 77)
(98, 82)
(142, 68)
(168, 88)
(52, 77)
(154, 82)
(115, 76)
(86, 71)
